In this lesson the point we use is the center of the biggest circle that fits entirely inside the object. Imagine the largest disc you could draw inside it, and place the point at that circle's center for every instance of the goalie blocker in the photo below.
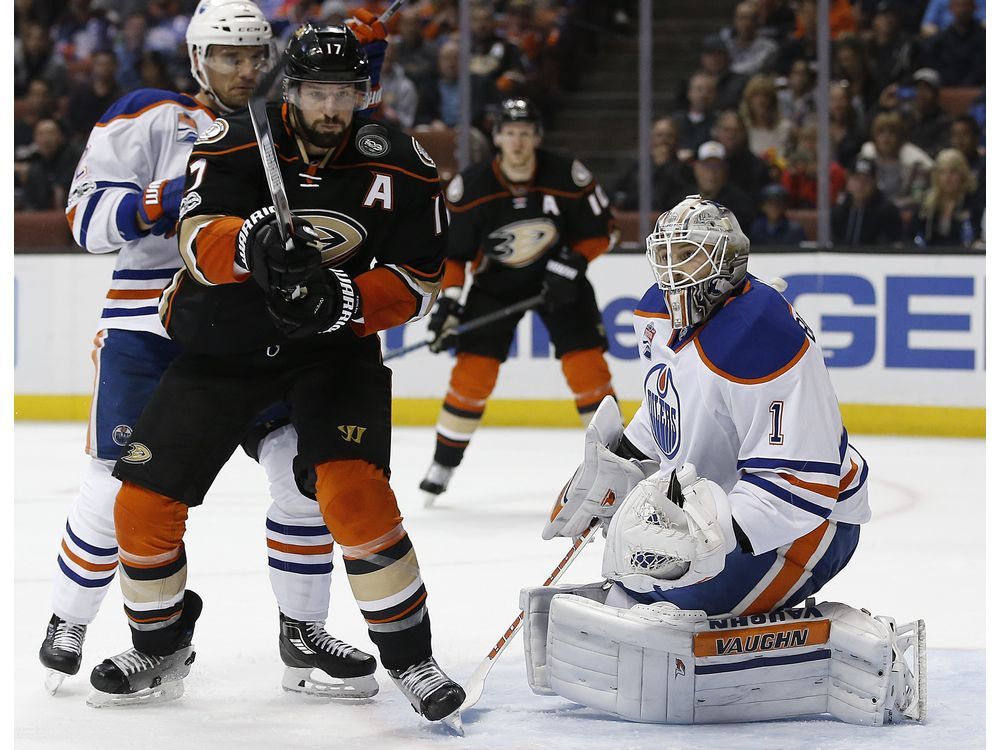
(656, 663)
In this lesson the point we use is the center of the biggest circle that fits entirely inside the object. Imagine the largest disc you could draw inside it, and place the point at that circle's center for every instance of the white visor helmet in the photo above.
(699, 256)
(237, 23)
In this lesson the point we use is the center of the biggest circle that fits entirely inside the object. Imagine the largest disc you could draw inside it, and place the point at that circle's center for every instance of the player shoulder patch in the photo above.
(214, 132)
(422, 153)
(456, 189)
(371, 141)
(580, 174)
(81, 191)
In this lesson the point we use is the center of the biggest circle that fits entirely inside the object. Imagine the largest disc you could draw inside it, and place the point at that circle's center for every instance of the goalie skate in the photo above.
(432, 693)
(61, 651)
(435, 482)
(908, 687)
(316, 663)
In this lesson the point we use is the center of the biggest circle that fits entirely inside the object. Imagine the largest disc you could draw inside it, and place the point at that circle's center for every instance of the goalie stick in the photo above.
(474, 687)
(471, 325)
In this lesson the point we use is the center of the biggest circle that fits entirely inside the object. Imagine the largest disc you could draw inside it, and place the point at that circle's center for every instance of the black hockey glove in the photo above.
(563, 274)
(446, 315)
(260, 251)
(329, 302)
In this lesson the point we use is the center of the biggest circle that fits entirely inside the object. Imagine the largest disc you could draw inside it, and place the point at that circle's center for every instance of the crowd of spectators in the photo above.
(73, 58)
(903, 169)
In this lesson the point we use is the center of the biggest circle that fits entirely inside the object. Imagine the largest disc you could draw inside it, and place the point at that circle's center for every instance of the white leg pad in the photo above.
(660, 664)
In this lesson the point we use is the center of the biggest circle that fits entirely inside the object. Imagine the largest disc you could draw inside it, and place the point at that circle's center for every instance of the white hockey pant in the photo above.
(656, 663)
(299, 545)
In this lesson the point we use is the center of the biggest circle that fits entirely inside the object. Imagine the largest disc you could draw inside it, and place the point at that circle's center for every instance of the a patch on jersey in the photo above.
(121, 434)
(340, 236)
(188, 203)
(370, 141)
(422, 153)
(456, 189)
(647, 340)
(520, 243)
(664, 409)
(137, 454)
(214, 132)
(580, 174)
(81, 191)
(187, 128)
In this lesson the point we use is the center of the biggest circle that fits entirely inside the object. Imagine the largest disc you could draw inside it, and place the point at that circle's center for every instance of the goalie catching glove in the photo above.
(601, 481)
(670, 532)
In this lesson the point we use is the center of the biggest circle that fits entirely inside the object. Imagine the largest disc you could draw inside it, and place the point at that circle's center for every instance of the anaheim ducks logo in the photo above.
(137, 454)
(340, 236)
(520, 243)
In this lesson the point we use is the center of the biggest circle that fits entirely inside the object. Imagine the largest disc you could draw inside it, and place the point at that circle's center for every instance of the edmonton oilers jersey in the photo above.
(747, 399)
(508, 230)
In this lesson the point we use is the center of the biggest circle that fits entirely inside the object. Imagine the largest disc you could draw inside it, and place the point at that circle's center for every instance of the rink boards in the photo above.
(904, 337)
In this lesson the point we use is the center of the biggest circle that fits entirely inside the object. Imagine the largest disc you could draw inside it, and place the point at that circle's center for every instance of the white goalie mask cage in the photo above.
(237, 23)
(699, 256)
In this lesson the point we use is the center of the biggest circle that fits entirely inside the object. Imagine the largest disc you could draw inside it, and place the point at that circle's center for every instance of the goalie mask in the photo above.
(229, 23)
(699, 256)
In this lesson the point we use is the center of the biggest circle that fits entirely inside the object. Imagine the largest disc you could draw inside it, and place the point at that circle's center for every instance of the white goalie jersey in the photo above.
(145, 136)
(747, 399)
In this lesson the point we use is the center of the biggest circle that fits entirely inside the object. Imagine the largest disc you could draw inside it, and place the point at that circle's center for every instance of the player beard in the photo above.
(326, 137)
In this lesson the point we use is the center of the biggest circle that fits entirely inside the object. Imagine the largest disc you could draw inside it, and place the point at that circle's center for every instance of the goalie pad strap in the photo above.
(655, 663)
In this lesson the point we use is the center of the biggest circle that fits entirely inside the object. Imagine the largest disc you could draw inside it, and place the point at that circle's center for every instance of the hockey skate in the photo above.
(908, 683)
(61, 651)
(432, 693)
(133, 677)
(435, 482)
(341, 671)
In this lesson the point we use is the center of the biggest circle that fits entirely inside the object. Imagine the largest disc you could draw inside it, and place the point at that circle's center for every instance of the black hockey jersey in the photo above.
(508, 230)
(376, 204)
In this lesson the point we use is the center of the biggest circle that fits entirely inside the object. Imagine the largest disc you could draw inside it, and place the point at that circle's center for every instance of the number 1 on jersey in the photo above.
(777, 409)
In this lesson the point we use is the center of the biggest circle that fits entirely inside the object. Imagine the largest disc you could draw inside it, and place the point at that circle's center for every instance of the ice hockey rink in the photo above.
(477, 547)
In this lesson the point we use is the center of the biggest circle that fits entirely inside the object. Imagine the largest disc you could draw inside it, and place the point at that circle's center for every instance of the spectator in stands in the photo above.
(728, 84)
(902, 169)
(34, 58)
(440, 18)
(777, 19)
(802, 44)
(747, 170)
(129, 49)
(851, 64)
(950, 214)
(773, 227)
(88, 102)
(43, 12)
(928, 124)
(767, 130)
(890, 50)
(797, 101)
(494, 60)
(695, 124)
(51, 169)
(399, 95)
(750, 52)
(153, 73)
(80, 31)
(864, 216)
(711, 178)
(38, 105)
(416, 56)
(439, 103)
(799, 177)
(938, 16)
(958, 52)
(669, 179)
(964, 136)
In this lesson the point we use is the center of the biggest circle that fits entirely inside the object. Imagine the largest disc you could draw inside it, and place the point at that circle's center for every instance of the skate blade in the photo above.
(918, 710)
(168, 691)
(300, 680)
(53, 680)
(453, 722)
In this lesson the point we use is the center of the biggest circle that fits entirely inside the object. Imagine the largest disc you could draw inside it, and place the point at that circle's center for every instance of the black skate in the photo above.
(133, 677)
(432, 693)
(306, 646)
(61, 651)
(435, 482)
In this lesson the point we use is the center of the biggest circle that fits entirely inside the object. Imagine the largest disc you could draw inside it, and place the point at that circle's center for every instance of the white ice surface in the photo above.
(477, 548)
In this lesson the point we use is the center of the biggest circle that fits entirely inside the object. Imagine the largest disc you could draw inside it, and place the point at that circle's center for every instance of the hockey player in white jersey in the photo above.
(126, 197)
(731, 497)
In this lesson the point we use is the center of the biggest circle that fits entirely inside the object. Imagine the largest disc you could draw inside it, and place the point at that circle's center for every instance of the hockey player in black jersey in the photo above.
(528, 221)
(261, 322)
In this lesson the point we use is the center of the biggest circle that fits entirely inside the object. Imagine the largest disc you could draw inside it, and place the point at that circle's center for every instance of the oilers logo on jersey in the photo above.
(664, 409)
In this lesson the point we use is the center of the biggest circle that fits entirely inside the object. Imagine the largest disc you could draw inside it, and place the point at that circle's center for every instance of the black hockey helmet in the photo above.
(326, 54)
(517, 110)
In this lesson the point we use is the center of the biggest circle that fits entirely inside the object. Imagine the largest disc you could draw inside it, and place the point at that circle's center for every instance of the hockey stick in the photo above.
(474, 687)
(472, 325)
